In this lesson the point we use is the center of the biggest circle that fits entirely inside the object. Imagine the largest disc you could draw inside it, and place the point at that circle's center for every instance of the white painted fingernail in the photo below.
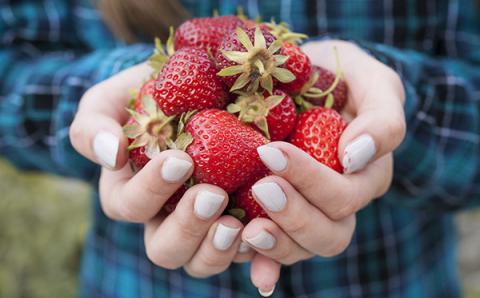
(207, 204)
(271, 196)
(263, 240)
(272, 158)
(243, 248)
(105, 146)
(174, 169)
(224, 237)
(266, 293)
(358, 153)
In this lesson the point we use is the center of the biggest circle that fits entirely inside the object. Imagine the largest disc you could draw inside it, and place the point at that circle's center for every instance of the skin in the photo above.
(331, 200)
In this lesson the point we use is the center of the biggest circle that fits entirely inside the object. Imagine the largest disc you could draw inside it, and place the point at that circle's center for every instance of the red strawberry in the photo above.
(205, 33)
(246, 207)
(282, 118)
(325, 79)
(147, 90)
(318, 132)
(299, 64)
(223, 149)
(172, 202)
(148, 130)
(187, 82)
(275, 116)
(248, 59)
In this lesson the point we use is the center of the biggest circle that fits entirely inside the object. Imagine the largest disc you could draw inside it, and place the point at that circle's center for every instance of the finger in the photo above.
(338, 196)
(268, 239)
(244, 254)
(300, 220)
(264, 273)
(140, 198)
(172, 243)
(217, 250)
(96, 131)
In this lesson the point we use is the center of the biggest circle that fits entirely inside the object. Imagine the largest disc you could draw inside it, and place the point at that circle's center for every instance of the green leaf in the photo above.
(267, 83)
(170, 46)
(259, 39)
(237, 213)
(244, 39)
(273, 101)
(329, 102)
(183, 141)
(262, 124)
(132, 131)
(231, 71)
(236, 56)
(233, 108)
(241, 81)
(283, 75)
(139, 142)
(274, 47)
(280, 59)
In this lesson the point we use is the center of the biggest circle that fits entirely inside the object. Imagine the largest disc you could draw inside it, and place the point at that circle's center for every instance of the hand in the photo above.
(195, 236)
(312, 207)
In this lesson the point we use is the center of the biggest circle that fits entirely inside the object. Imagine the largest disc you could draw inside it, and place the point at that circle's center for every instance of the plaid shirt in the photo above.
(404, 245)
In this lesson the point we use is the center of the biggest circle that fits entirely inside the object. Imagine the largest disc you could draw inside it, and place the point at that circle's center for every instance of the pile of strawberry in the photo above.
(225, 86)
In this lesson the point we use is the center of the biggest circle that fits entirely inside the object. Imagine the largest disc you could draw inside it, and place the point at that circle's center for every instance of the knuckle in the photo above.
(295, 227)
(339, 244)
(348, 207)
(212, 261)
(161, 259)
(131, 213)
(195, 272)
(187, 228)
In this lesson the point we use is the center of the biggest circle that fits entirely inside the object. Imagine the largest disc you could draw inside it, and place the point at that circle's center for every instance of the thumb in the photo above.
(375, 132)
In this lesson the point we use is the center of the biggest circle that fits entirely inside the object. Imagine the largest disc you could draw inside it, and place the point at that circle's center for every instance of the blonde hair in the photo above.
(131, 19)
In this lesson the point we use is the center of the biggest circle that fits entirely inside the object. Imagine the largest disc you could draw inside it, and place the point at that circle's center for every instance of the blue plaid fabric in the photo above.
(404, 245)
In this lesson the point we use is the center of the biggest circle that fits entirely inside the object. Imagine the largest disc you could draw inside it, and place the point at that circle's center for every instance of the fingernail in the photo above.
(243, 248)
(263, 240)
(224, 237)
(271, 196)
(174, 169)
(358, 153)
(272, 158)
(267, 293)
(105, 146)
(207, 204)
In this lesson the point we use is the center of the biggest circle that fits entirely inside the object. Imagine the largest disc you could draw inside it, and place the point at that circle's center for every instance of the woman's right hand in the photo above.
(195, 236)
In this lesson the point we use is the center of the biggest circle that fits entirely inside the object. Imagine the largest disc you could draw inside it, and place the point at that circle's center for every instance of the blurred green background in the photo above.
(43, 220)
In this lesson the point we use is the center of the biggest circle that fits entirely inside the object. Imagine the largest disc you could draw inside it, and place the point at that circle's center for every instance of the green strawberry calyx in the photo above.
(151, 129)
(308, 91)
(282, 32)
(254, 108)
(258, 65)
(160, 57)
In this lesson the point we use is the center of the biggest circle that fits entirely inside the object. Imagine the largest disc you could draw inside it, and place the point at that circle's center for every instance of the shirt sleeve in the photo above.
(39, 94)
(437, 167)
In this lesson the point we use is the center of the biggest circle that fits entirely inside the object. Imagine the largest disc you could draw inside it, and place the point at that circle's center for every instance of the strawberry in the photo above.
(223, 149)
(205, 33)
(297, 63)
(188, 82)
(275, 116)
(245, 206)
(248, 59)
(146, 90)
(325, 80)
(318, 132)
(172, 202)
(148, 129)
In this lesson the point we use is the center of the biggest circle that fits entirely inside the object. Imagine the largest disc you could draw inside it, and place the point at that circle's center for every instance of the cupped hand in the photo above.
(195, 236)
(312, 207)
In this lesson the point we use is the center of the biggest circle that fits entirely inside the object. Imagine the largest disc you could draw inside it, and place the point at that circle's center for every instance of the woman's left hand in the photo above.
(312, 207)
